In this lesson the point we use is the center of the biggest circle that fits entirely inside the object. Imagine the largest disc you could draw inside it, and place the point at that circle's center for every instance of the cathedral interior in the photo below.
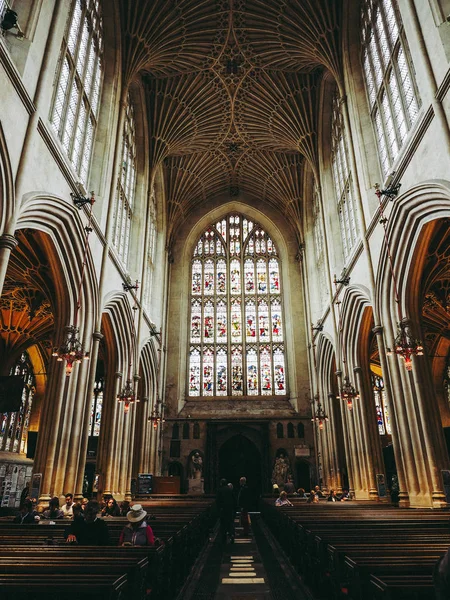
(224, 247)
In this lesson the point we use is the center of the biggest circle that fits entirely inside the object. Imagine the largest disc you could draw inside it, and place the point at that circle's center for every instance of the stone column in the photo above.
(333, 433)
(108, 432)
(7, 244)
(386, 371)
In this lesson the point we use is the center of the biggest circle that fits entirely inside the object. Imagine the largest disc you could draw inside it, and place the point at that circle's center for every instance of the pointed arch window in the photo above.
(343, 184)
(290, 430)
(126, 186)
(236, 316)
(77, 89)
(280, 431)
(151, 251)
(381, 406)
(14, 425)
(389, 75)
(96, 407)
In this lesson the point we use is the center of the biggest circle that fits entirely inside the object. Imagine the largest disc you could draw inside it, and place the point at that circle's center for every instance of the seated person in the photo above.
(318, 492)
(90, 531)
(301, 493)
(27, 513)
(312, 498)
(289, 487)
(345, 495)
(53, 512)
(124, 508)
(332, 497)
(283, 500)
(137, 532)
(67, 508)
(111, 509)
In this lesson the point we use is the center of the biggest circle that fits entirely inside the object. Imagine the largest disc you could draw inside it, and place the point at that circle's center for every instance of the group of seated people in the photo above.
(87, 527)
(313, 497)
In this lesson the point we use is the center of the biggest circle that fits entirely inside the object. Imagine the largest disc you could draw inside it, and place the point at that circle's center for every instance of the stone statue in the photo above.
(196, 466)
(281, 470)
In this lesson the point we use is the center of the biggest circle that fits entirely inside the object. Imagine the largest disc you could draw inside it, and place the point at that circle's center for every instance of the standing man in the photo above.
(244, 502)
(227, 507)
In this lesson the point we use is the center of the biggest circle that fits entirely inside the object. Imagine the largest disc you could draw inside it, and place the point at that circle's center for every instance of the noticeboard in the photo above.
(144, 484)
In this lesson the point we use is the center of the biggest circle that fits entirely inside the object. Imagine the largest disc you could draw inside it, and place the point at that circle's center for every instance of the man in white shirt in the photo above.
(67, 508)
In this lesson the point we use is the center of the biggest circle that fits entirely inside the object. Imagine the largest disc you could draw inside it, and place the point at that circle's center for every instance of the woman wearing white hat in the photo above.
(137, 532)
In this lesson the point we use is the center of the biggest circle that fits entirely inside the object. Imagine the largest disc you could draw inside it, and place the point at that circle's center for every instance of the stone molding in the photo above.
(16, 79)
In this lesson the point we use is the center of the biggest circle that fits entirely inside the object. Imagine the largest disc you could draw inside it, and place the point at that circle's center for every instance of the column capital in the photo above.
(378, 330)
(357, 370)
(338, 373)
(331, 395)
(98, 336)
(118, 374)
(8, 241)
(136, 377)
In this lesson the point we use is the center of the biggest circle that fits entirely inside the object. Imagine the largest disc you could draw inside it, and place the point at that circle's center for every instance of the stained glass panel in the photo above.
(235, 277)
(236, 321)
(221, 321)
(261, 269)
(208, 323)
(221, 373)
(277, 326)
(274, 276)
(252, 372)
(208, 278)
(250, 321)
(249, 270)
(208, 371)
(221, 277)
(196, 321)
(266, 370)
(196, 277)
(194, 372)
(263, 321)
(278, 368)
(236, 368)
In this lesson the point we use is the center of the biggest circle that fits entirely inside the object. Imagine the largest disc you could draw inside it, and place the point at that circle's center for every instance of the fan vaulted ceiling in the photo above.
(232, 91)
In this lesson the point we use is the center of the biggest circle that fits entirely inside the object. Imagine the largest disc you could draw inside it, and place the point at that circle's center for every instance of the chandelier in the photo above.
(348, 392)
(71, 351)
(156, 419)
(127, 395)
(405, 345)
(319, 416)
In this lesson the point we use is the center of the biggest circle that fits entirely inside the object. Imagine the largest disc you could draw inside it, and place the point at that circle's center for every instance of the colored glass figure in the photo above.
(196, 322)
(194, 372)
(274, 276)
(258, 246)
(236, 371)
(263, 321)
(380, 421)
(221, 378)
(208, 372)
(387, 416)
(278, 361)
(263, 246)
(261, 277)
(235, 277)
(208, 331)
(251, 247)
(277, 329)
(208, 279)
(236, 327)
(221, 277)
(197, 277)
(249, 270)
(252, 372)
(266, 371)
(250, 321)
(269, 245)
(221, 321)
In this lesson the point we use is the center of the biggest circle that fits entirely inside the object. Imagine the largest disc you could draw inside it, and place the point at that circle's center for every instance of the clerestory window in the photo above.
(389, 76)
(236, 317)
(343, 183)
(77, 90)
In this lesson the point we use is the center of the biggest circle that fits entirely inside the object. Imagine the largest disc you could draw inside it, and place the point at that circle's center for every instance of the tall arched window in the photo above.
(95, 417)
(236, 325)
(77, 90)
(381, 406)
(392, 94)
(14, 425)
(126, 186)
(151, 251)
(343, 183)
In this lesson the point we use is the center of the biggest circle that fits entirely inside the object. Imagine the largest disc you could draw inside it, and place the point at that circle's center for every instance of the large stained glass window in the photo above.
(14, 425)
(236, 316)
(389, 74)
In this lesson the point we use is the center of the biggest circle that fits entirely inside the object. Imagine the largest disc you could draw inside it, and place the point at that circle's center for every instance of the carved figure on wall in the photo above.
(281, 469)
(195, 469)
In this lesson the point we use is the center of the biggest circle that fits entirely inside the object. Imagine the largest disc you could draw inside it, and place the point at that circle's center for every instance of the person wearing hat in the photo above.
(137, 532)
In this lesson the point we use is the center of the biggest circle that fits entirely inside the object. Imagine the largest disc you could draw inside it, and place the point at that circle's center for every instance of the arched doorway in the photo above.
(239, 457)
